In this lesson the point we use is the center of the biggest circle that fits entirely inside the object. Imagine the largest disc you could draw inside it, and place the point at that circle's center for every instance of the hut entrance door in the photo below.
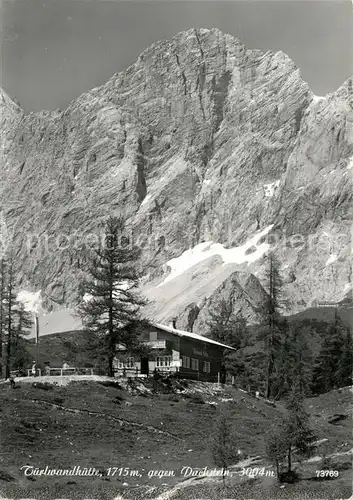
(144, 366)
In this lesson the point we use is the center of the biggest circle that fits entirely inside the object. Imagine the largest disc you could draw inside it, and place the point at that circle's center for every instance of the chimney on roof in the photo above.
(174, 322)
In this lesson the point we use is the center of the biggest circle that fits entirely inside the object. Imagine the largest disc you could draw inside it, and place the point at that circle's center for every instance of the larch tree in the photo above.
(10, 307)
(22, 324)
(334, 361)
(271, 313)
(225, 326)
(345, 369)
(294, 361)
(223, 447)
(302, 359)
(276, 448)
(231, 329)
(112, 310)
(300, 436)
(2, 311)
(292, 435)
(15, 321)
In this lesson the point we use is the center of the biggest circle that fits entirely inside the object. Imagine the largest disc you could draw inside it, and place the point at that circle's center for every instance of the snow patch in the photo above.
(270, 188)
(122, 287)
(146, 200)
(207, 182)
(320, 441)
(87, 297)
(318, 98)
(342, 453)
(203, 251)
(125, 166)
(32, 301)
(331, 259)
(314, 459)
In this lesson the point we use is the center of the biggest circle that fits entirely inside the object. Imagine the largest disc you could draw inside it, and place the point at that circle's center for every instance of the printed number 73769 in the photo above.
(327, 473)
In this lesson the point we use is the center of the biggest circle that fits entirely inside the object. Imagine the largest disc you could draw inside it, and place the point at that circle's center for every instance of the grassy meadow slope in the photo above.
(146, 427)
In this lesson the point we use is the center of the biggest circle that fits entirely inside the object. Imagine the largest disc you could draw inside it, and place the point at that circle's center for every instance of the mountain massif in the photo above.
(213, 153)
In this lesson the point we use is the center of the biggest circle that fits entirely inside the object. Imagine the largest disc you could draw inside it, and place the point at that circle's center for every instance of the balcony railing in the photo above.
(62, 371)
(157, 344)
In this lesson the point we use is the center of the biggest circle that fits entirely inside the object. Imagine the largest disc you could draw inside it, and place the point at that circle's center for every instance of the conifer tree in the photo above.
(300, 435)
(10, 301)
(2, 311)
(294, 361)
(15, 322)
(281, 379)
(223, 447)
(345, 369)
(292, 435)
(271, 310)
(334, 361)
(226, 327)
(276, 447)
(302, 359)
(22, 324)
(113, 308)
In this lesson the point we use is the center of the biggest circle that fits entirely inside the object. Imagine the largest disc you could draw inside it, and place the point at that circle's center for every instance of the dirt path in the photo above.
(235, 478)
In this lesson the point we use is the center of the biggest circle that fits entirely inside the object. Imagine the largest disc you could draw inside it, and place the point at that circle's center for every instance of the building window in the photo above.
(194, 364)
(206, 367)
(164, 360)
(153, 336)
(129, 363)
(186, 362)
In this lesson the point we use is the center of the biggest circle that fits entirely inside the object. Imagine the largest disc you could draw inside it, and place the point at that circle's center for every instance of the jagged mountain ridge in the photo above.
(200, 140)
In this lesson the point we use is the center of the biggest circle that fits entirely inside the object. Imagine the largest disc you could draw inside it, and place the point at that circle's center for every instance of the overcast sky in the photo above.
(54, 50)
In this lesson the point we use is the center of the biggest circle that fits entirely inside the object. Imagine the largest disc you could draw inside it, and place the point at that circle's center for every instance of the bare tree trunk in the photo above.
(277, 468)
(269, 367)
(271, 325)
(223, 475)
(111, 340)
(110, 366)
(289, 459)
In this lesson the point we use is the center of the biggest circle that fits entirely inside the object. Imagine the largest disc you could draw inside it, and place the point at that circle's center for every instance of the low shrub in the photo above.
(110, 383)
(58, 401)
(195, 399)
(45, 386)
(288, 477)
(4, 476)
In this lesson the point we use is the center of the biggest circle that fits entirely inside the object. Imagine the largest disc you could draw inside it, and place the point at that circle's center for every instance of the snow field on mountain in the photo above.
(235, 255)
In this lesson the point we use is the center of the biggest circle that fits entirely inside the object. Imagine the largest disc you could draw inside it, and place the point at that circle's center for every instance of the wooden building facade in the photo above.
(174, 351)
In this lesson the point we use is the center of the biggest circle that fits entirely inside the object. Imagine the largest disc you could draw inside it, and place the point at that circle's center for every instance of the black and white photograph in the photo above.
(176, 209)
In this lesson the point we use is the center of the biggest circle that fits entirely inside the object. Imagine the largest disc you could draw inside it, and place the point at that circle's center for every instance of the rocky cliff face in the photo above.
(201, 140)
